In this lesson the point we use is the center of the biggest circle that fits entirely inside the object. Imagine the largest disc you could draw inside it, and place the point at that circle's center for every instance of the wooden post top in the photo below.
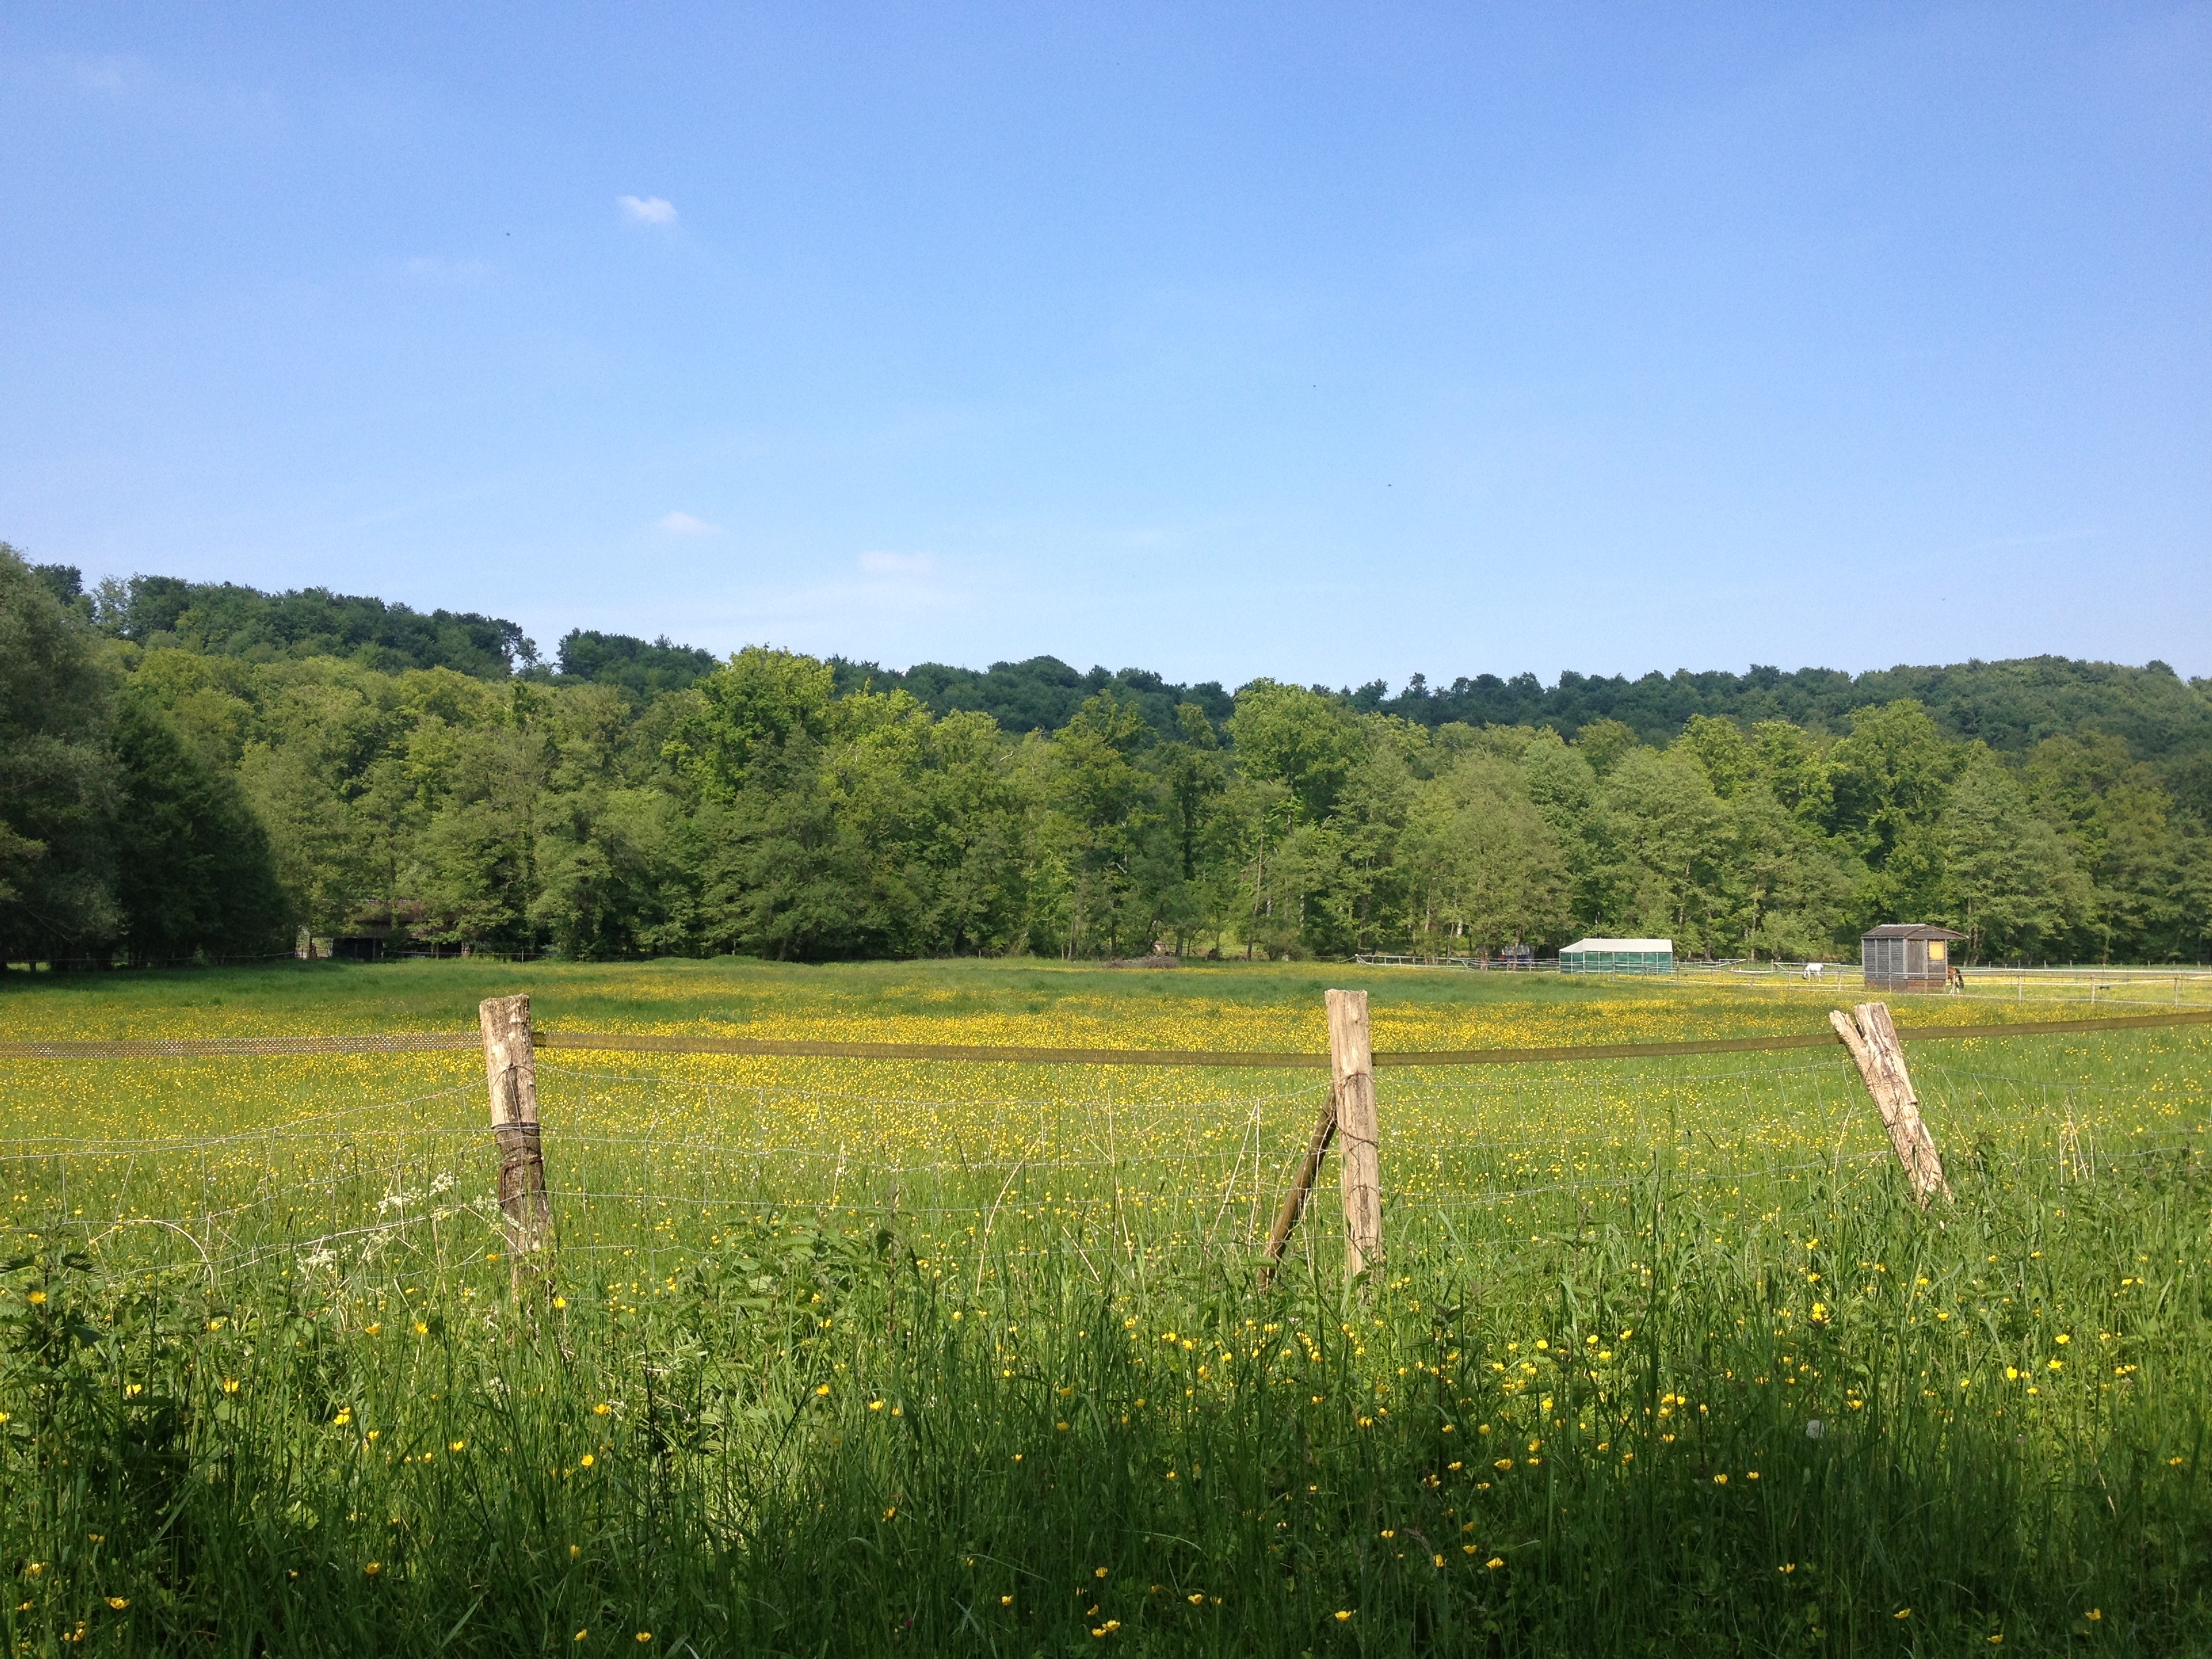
(1350, 1047)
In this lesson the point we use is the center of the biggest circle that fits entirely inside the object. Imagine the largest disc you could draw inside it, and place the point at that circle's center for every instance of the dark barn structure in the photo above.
(1907, 955)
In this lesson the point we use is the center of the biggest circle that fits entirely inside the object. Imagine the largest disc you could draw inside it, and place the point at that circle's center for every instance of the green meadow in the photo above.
(876, 1357)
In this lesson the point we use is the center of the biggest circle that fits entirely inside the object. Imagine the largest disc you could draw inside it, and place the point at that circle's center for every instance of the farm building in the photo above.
(1618, 956)
(1907, 955)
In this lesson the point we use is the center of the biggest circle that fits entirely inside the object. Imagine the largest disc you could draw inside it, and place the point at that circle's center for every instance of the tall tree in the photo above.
(754, 703)
(1889, 781)
(1304, 740)
(60, 785)
(2010, 882)
(2117, 820)
(1482, 867)
(1104, 804)
(1663, 823)
(194, 875)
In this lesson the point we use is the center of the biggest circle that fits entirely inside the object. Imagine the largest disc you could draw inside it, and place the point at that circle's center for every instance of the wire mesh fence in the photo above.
(654, 1159)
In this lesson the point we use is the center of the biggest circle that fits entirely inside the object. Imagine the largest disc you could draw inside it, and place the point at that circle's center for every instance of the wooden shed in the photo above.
(1618, 956)
(1907, 955)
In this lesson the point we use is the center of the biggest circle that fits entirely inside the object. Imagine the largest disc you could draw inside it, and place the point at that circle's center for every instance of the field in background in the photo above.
(2123, 988)
(1224, 1005)
(1661, 1361)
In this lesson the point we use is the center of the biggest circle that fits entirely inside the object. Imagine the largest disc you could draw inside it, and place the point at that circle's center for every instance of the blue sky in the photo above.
(1328, 343)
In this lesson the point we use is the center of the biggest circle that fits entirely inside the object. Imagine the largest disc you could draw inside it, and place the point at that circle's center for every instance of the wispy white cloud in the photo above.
(648, 210)
(682, 524)
(898, 564)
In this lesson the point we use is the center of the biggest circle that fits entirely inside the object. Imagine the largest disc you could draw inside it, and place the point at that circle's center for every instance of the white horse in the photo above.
(1814, 969)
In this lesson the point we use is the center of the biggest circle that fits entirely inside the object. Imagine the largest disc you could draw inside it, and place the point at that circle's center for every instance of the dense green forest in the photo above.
(199, 768)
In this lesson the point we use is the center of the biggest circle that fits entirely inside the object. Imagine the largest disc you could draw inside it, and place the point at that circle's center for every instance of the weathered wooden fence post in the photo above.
(1870, 1035)
(1350, 1109)
(510, 1068)
(1351, 1064)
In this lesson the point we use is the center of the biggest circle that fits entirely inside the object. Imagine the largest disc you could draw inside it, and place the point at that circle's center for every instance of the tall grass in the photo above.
(1661, 1361)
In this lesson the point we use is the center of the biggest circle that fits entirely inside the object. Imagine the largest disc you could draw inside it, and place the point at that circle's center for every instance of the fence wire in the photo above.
(650, 1168)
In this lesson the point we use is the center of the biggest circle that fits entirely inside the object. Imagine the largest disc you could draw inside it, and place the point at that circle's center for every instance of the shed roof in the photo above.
(1910, 930)
(1646, 945)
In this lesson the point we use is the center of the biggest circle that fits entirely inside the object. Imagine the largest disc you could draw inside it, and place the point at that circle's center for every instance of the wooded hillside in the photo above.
(201, 768)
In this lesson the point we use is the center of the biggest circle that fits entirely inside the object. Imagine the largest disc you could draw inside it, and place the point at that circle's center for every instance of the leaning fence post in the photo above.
(1871, 1036)
(1352, 1065)
(510, 1068)
(1294, 1201)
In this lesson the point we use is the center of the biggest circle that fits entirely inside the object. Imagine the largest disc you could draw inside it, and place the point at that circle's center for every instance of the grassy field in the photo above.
(872, 1357)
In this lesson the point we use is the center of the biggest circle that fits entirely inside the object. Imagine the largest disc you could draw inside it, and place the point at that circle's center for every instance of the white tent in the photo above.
(1618, 956)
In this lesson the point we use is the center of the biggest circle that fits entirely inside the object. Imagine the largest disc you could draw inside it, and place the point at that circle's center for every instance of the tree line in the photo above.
(195, 788)
(2011, 705)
